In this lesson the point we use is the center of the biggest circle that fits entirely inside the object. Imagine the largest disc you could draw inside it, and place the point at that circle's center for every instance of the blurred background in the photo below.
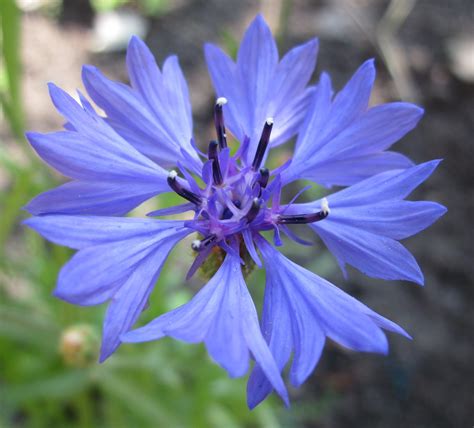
(49, 377)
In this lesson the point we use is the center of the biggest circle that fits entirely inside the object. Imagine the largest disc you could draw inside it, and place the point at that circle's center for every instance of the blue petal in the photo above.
(189, 322)
(95, 273)
(341, 317)
(317, 118)
(293, 73)
(118, 259)
(85, 231)
(258, 87)
(143, 140)
(84, 158)
(279, 340)
(223, 73)
(352, 101)
(250, 245)
(391, 185)
(125, 107)
(300, 309)
(145, 119)
(88, 124)
(330, 118)
(350, 170)
(225, 340)
(222, 315)
(393, 219)
(145, 76)
(116, 176)
(93, 198)
(367, 218)
(309, 339)
(256, 62)
(259, 349)
(166, 94)
(375, 255)
(288, 116)
(132, 297)
(178, 101)
(376, 130)
(177, 209)
(342, 142)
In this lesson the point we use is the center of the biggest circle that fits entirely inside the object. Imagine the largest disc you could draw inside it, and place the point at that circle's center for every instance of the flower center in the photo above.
(235, 203)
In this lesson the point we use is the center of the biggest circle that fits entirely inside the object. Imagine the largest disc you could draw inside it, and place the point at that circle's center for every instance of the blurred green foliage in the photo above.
(147, 7)
(10, 70)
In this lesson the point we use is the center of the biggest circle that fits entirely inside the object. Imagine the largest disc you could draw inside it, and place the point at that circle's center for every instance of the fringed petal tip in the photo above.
(66, 294)
(430, 165)
(368, 64)
(418, 279)
(313, 43)
(259, 20)
(30, 221)
(438, 211)
(402, 332)
(31, 136)
(105, 353)
(136, 42)
(53, 88)
(252, 403)
(58, 293)
(419, 112)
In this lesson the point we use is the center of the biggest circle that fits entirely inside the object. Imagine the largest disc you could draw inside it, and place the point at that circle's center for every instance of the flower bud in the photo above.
(79, 345)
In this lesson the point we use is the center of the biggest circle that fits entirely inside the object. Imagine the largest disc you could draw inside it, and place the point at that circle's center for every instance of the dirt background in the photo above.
(424, 383)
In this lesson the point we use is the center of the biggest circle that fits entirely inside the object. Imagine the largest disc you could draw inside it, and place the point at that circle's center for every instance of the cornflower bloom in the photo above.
(119, 161)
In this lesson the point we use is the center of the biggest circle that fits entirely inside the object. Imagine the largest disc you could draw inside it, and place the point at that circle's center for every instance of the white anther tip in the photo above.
(196, 244)
(221, 101)
(173, 174)
(269, 120)
(325, 206)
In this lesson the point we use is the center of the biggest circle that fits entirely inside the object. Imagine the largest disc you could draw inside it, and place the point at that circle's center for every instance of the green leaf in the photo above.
(59, 387)
(149, 407)
(28, 328)
(105, 5)
(10, 33)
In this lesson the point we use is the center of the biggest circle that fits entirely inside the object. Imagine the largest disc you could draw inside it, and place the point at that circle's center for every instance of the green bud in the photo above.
(79, 345)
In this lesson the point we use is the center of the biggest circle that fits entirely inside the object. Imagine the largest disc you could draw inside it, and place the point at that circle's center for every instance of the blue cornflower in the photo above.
(119, 161)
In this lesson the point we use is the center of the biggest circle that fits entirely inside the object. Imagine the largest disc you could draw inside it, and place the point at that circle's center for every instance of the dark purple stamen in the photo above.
(262, 144)
(213, 154)
(303, 218)
(263, 177)
(201, 245)
(254, 210)
(227, 213)
(219, 122)
(181, 191)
